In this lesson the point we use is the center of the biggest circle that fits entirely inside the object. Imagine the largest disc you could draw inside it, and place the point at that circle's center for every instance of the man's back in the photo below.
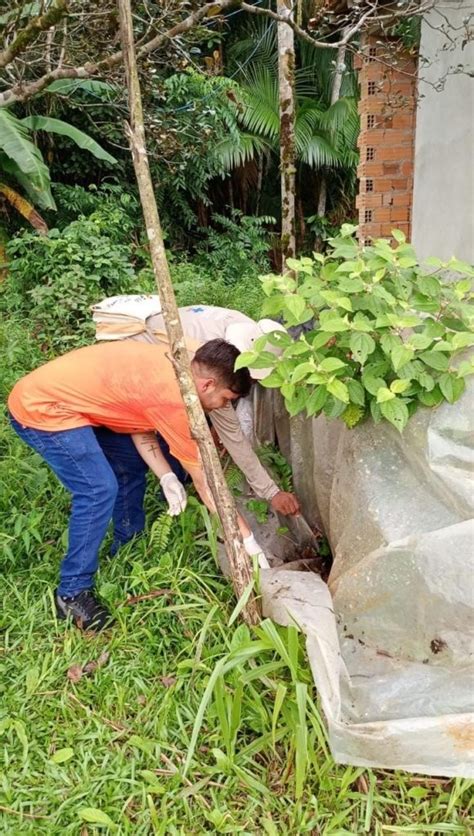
(200, 323)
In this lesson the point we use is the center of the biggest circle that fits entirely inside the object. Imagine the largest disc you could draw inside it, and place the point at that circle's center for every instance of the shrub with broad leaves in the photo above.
(387, 333)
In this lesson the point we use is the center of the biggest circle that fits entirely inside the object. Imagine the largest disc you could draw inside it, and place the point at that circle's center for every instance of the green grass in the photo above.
(189, 725)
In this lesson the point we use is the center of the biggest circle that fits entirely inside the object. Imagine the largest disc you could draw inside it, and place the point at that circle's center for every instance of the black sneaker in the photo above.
(84, 609)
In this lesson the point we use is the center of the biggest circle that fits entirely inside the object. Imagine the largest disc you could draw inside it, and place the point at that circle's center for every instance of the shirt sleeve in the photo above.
(241, 451)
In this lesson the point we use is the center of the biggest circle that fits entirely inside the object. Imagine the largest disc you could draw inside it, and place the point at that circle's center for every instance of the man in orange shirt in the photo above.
(86, 414)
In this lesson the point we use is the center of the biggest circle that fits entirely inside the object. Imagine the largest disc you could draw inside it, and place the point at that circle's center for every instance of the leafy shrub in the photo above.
(118, 210)
(54, 279)
(239, 248)
(195, 285)
(191, 113)
(386, 336)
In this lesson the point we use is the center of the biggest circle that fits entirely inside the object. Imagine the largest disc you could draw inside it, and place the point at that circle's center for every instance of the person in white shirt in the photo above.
(202, 323)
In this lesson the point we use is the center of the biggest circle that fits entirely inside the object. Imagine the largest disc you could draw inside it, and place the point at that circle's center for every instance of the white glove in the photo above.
(174, 493)
(252, 548)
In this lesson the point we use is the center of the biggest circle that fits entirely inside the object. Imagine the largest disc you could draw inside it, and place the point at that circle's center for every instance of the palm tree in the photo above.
(325, 133)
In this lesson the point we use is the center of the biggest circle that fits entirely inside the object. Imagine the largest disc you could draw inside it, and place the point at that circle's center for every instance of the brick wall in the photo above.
(387, 111)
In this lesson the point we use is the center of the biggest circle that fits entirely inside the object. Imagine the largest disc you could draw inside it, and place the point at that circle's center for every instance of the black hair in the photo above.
(218, 357)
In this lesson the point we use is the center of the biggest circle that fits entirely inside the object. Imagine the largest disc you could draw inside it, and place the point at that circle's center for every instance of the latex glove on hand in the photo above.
(285, 503)
(175, 494)
(252, 548)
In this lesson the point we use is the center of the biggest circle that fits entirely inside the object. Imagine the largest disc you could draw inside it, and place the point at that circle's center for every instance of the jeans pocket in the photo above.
(34, 438)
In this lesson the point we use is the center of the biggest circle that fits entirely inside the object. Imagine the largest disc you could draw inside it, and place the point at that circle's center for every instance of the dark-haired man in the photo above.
(200, 324)
(86, 414)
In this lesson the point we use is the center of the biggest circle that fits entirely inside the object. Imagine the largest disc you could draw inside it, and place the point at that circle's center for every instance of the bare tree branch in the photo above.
(37, 24)
(372, 14)
(22, 92)
(368, 13)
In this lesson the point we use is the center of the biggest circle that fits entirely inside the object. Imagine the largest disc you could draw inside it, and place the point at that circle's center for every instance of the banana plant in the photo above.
(21, 159)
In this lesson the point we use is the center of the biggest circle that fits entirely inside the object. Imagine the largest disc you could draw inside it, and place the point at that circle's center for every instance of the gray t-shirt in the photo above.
(209, 322)
(200, 322)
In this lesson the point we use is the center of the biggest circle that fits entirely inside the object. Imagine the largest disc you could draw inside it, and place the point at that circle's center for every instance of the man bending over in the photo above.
(85, 413)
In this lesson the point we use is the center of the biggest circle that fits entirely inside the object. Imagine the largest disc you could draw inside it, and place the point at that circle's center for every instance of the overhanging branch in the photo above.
(21, 92)
(25, 36)
(370, 13)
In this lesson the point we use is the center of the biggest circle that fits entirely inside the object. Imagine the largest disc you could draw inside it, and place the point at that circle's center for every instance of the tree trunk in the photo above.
(335, 94)
(238, 559)
(25, 208)
(286, 84)
(259, 182)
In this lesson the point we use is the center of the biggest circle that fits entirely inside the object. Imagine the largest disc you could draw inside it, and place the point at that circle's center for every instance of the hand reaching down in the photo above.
(175, 494)
(285, 503)
(253, 548)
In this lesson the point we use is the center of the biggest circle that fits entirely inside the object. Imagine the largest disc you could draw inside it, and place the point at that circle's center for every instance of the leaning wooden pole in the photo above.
(238, 559)
(286, 95)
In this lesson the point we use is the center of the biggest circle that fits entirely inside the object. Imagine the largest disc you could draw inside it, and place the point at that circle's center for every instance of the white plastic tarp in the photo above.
(390, 642)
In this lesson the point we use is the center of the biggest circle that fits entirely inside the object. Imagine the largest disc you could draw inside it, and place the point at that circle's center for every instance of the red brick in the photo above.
(390, 168)
(400, 184)
(391, 198)
(407, 167)
(383, 214)
(380, 136)
(368, 200)
(371, 136)
(386, 229)
(394, 152)
(404, 120)
(372, 169)
(371, 104)
(399, 214)
(382, 184)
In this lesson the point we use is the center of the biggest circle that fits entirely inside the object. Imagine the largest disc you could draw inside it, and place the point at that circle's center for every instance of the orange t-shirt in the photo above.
(126, 386)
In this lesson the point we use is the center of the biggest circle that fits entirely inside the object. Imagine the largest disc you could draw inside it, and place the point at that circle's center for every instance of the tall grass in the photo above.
(185, 723)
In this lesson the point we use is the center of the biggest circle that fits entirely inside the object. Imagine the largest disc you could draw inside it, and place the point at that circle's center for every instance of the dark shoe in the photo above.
(84, 609)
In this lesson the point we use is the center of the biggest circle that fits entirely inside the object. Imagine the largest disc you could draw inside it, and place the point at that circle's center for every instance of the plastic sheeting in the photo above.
(390, 642)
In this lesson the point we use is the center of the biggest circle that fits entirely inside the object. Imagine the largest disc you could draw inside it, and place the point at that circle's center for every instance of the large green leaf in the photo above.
(319, 152)
(231, 154)
(260, 112)
(341, 121)
(395, 411)
(42, 198)
(57, 126)
(17, 14)
(91, 86)
(24, 160)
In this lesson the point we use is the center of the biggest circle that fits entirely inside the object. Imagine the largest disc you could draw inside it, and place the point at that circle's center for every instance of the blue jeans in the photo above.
(106, 477)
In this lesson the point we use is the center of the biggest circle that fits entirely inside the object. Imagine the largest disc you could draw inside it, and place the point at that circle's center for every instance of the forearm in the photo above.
(242, 453)
(200, 483)
(150, 451)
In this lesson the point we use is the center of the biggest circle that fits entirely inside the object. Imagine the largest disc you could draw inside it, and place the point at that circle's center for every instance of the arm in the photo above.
(200, 483)
(150, 451)
(241, 451)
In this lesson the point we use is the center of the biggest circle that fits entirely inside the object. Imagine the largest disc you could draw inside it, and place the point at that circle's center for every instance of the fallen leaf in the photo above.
(362, 784)
(96, 816)
(75, 673)
(92, 666)
(62, 755)
(155, 593)
(168, 681)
